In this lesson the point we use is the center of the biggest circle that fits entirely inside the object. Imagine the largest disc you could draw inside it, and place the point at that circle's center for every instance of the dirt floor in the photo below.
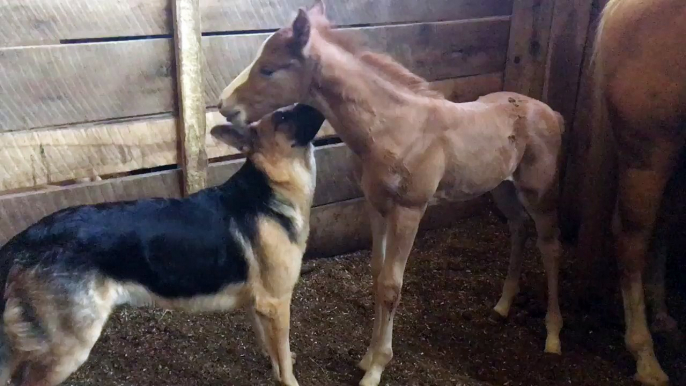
(443, 333)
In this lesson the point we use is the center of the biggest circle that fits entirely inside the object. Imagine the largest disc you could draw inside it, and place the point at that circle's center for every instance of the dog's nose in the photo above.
(230, 115)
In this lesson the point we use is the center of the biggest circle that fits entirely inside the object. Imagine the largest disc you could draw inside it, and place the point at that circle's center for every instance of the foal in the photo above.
(238, 244)
(413, 146)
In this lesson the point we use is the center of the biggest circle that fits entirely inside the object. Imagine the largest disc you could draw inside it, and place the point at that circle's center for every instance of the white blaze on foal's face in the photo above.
(280, 76)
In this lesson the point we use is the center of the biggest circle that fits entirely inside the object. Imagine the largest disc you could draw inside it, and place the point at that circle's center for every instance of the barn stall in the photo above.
(112, 100)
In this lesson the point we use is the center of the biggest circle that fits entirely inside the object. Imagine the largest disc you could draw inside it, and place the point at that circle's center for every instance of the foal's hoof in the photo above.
(366, 361)
(293, 356)
(656, 379)
(496, 316)
(553, 346)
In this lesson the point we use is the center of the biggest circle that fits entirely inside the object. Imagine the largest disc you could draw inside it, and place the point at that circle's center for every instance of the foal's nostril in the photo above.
(219, 105)
(230, 115)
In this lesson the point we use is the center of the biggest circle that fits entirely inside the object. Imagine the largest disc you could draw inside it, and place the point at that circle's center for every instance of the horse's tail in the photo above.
(599, 185)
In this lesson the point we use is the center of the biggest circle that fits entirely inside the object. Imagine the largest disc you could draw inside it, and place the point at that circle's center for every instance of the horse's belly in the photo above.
(461, 185)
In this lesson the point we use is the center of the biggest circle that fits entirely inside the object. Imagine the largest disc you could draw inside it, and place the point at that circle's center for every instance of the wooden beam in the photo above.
(335, 182)
(565, 55)
(47, 86)
(343, 227)
(39, 157)
(528, 49)
(568, 43)
(33, 22)
(192, 126)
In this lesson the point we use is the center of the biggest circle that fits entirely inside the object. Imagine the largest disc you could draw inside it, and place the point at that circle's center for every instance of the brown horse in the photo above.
(413, 145)
(640, 79)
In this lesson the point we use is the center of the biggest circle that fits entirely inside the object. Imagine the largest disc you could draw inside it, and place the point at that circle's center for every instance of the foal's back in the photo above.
(501, 136)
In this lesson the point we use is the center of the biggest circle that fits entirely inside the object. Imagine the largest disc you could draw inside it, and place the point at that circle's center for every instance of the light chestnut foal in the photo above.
(413, 145)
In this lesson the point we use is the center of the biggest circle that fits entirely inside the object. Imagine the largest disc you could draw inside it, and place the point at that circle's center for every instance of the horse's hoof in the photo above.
(553, 346)
(656, 379)
(371, 378)
(496, 316)
(366, 361)
(293, 356)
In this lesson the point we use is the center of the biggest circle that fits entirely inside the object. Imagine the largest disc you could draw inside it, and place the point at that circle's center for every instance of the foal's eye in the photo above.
(266, 72)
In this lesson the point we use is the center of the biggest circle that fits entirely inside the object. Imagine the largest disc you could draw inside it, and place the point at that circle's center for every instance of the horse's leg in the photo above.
(505, 197)
(378, 225)
(544, 212)
(402, 225)
(639, 196)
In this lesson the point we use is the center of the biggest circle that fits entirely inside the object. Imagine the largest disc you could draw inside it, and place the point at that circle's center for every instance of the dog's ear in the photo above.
(307, 121)
(243, 141)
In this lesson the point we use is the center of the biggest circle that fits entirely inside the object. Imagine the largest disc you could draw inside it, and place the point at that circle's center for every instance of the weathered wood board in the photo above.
(335, 182)
(339, 221)
(37, 157)
(528, 49)
(565, 55)
(343, 227)
(47, 86)
(31, 22)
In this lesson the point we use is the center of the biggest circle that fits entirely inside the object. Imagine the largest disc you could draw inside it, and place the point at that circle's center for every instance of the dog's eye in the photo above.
(279, 118)
(266, 72)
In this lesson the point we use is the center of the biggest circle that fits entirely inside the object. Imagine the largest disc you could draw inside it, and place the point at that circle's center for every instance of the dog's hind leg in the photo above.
(51, 327)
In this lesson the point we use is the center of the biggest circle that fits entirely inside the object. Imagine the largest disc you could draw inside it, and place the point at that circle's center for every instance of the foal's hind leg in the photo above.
(506, 199)
(543, 210)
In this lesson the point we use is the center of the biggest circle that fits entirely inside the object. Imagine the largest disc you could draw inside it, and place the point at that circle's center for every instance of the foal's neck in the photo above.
(357, 101)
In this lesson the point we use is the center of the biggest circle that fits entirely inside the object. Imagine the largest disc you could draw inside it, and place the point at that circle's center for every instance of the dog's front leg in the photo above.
(274, 316)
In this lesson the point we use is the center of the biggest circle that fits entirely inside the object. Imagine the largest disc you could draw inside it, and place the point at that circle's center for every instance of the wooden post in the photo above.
(568, 33)
(528, 48)
(189, 65)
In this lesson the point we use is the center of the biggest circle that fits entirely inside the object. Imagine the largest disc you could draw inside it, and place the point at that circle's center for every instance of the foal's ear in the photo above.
(232, 137)
(301, 29)
(318, 9)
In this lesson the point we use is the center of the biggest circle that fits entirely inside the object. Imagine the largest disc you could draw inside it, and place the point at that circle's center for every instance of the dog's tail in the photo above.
(5, 352)
(5, 356)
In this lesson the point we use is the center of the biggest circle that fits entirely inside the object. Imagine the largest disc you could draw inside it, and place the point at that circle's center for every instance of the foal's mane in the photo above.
(382, 64)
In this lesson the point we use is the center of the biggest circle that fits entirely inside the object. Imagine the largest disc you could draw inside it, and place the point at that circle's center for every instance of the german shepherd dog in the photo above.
(236, 245)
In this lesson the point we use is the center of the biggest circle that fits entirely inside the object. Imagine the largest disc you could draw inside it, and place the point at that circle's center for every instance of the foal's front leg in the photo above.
(402, 226)
(379, 228)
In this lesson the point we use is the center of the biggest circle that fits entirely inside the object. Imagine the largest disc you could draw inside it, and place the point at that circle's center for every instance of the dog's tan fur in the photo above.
(413, 146)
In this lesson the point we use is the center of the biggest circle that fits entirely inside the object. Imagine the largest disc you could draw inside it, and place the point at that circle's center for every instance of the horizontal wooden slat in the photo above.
(343, 227)
(30, 22)
(37, 157)
(56, 85)
(335, 182)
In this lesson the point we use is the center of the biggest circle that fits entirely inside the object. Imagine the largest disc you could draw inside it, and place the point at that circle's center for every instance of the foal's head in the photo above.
(280, 75)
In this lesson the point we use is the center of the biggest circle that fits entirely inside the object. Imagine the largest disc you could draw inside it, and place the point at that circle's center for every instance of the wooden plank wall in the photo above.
(88, 88)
